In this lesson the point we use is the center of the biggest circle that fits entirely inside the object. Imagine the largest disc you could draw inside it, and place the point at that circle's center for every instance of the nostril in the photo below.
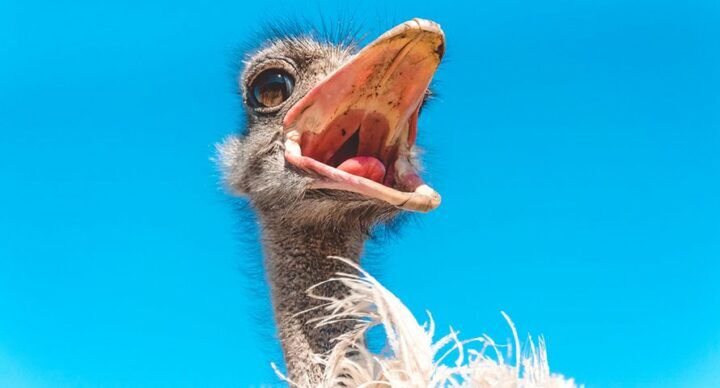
(440, 50)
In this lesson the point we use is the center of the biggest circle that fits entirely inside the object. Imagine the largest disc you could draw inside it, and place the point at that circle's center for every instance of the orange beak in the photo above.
(356, 129)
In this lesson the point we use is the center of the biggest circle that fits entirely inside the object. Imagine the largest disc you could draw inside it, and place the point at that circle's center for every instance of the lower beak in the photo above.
(376, 96)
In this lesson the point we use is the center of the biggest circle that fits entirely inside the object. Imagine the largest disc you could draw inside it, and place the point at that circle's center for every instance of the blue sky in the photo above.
(576, 145)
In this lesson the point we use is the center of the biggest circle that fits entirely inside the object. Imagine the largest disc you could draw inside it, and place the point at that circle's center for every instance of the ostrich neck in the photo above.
(296, 258)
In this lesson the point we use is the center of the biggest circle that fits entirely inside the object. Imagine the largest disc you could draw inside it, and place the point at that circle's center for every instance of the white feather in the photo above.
(411, 358)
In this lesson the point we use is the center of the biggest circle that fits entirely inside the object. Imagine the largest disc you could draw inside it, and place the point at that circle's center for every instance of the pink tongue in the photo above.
(364, 166)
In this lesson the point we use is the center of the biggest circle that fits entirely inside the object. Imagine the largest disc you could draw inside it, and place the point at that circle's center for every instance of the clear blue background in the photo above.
(576, 145)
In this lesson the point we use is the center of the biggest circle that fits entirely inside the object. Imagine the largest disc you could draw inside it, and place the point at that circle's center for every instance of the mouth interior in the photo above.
(360, 143)
(347, 150)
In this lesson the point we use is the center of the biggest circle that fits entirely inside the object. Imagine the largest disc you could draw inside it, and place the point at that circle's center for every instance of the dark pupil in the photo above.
(271, 88)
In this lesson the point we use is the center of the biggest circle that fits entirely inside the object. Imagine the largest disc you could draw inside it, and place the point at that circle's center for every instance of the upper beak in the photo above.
(390, 75)
(380, 90)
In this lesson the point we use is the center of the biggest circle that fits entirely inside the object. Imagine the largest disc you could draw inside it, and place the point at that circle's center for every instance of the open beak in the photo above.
(356, 129)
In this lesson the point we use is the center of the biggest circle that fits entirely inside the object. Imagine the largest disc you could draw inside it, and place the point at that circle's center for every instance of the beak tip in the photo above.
(426, 25)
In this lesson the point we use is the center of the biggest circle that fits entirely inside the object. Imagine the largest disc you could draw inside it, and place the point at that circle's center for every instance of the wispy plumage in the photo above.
(412, 357)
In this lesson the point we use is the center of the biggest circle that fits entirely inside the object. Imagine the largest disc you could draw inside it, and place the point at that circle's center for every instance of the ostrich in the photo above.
(328, 153)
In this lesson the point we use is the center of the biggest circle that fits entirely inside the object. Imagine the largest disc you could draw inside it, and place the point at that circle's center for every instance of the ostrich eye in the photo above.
(270, 88)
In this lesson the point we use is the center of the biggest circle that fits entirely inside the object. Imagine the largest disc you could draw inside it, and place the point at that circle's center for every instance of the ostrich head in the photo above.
(331, 131)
